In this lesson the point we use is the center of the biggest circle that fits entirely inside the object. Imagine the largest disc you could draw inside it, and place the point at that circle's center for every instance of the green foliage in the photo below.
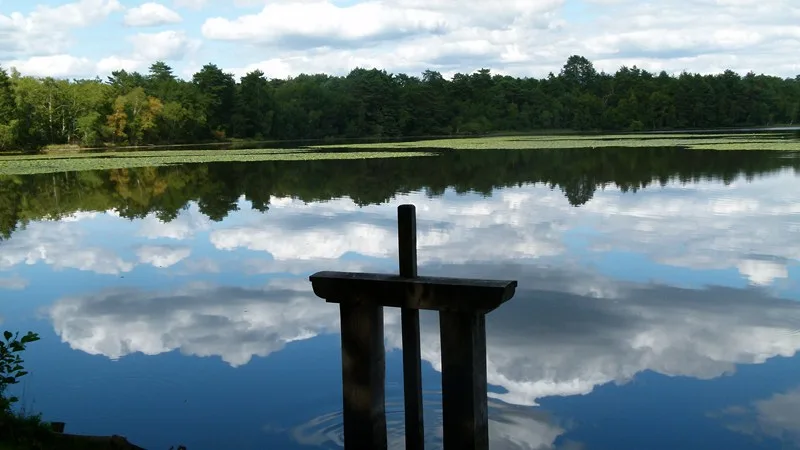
(18, 429)
(7, 104)
(131, 108)
(11, 364)
(88, 128)
(8, 133)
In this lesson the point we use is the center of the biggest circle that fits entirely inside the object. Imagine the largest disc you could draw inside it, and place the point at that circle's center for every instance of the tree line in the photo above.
(157, 107)
(217, 188)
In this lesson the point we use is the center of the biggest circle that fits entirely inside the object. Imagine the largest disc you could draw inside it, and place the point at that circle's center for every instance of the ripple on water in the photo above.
(510, 427)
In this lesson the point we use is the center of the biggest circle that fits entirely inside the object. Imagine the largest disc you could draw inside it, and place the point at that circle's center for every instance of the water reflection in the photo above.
(774, 417)
(199, 319)
(701, 227)
(676, 284)
(510, 427)
(14, 282)
(62, 245)
(570, 331)
(576, 173)
(566, 332)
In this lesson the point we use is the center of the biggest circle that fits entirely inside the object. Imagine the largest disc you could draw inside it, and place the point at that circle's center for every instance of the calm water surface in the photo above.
(657, 304)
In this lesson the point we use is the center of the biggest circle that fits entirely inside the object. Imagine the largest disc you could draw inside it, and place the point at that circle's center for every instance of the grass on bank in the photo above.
(48, 163)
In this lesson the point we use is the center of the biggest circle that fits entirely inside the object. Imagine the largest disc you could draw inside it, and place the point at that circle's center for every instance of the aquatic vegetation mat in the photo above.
(47, 163)
(760, 141)
(20, 164)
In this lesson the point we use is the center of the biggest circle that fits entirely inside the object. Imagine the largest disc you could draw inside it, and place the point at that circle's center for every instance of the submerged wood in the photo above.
(100, 442)
(94, 442)
(66, 440)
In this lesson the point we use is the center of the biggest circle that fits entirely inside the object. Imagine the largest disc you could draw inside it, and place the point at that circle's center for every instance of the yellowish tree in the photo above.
(134, 115)
(118, 120)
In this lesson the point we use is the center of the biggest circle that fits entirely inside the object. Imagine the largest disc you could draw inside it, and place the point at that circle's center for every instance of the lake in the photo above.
(658, 300)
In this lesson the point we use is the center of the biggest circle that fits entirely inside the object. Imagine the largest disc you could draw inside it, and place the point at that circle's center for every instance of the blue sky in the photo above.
(92, 37)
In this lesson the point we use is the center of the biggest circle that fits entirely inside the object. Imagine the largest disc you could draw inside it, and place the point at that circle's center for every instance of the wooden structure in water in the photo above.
(58, 439)
(462, 305)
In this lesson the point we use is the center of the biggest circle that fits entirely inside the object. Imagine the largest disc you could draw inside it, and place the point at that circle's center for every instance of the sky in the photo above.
(85, 38)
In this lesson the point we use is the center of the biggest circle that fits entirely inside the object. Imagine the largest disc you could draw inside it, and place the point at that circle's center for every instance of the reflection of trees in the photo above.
(164, 191)
(579, 190)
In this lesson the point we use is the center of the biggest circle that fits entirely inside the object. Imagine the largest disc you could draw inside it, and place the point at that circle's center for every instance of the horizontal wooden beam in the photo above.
(432, 293)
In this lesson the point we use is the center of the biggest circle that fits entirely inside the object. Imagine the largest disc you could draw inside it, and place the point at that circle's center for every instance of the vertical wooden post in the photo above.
(465, 417)
(363, 376)
(412, 358)
(462, 305)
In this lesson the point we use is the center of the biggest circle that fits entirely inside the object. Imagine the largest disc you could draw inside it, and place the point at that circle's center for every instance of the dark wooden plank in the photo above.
(412, 380)
(433, 293)
(465, 419)
(363, 376)
(412, 358)
(407, 240)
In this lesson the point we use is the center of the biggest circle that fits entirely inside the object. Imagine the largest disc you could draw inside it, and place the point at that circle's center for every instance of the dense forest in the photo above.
(217, 188)
(131, 108)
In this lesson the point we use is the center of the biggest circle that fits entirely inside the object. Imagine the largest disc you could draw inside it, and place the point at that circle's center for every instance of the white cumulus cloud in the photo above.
(523, 38)
(150, 14)
(47, 30)
(162, 255)
(164, 45)
(324, 22)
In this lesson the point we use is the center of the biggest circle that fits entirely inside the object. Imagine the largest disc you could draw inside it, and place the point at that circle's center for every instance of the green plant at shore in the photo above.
(23, 431)
(11, 368)
(20, 430)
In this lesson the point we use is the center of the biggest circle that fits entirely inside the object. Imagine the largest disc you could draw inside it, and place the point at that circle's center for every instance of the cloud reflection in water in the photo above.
(773, 417)
(568, 330)
(564, 333)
